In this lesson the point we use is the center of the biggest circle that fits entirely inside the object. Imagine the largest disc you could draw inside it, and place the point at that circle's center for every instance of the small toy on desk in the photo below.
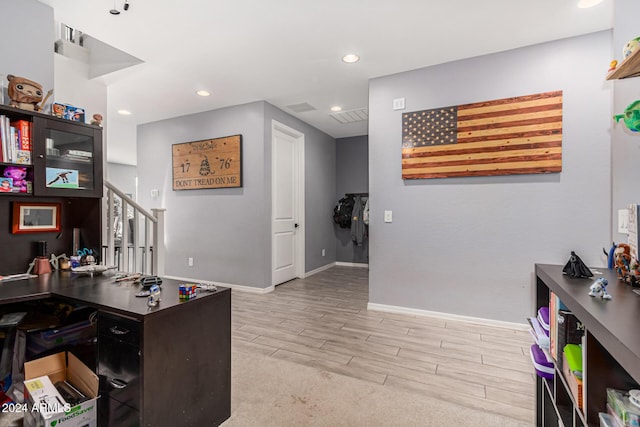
(576, 268)
(599, 289)
(187, 291)
(154, 296)
(622, 260)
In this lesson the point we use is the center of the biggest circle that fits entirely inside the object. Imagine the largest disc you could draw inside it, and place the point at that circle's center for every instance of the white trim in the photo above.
(243, 288)
(352, 264)
(299, 190)
(447, 316)
(319, 269)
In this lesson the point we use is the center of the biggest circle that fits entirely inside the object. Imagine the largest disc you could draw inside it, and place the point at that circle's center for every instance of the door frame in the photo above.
(299, 204)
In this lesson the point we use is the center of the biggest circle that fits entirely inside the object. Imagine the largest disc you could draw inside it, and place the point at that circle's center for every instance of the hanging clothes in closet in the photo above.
(357, 223)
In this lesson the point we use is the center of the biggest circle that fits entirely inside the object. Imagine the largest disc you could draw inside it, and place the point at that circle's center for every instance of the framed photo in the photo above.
(35, 217)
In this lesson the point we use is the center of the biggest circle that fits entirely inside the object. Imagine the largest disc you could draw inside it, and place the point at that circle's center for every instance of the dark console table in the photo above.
(612, 331)
(168, 365)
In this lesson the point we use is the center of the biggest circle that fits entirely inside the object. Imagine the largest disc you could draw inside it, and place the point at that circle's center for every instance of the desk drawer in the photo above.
(119, 328)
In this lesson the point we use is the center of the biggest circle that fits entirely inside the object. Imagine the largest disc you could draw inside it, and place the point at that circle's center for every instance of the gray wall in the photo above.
(468, 245)
(26, 42)
(227, 231)
(123, 177)
(352, 176)
(625, 146)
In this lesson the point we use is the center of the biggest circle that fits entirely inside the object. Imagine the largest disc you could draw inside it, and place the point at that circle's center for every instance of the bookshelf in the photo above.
(612, 346)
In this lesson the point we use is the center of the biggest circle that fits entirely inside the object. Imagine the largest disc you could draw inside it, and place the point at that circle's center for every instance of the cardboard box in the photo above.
(40, 393)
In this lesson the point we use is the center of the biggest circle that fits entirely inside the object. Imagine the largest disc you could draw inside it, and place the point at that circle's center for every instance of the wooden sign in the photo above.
(212, 163)
(521, 135)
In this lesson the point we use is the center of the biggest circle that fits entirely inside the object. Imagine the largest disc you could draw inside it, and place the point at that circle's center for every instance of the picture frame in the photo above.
(36, 217)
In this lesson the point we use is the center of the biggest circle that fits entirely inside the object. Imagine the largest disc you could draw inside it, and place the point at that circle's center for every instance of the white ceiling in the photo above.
(288, 51)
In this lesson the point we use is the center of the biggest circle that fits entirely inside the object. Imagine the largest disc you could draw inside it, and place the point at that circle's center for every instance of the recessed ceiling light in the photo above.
(583, 4)
(202, 93)
(336, 108)
(350, 58)
(124, 112)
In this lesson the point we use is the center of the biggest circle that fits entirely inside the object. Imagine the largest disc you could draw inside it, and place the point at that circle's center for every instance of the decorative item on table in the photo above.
(622, 260)
(630, 47)
(147, 281)
(87, 256)
(599, 289)
(26, 94)
(187, 291)
(631, 116)
(69, 112)
(41, 262)
(62, 178)
(92, 270)
(154, 296)
(575, 268)
(17, 175)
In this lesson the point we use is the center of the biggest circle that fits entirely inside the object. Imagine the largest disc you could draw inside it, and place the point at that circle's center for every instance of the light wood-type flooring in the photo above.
(322, 321)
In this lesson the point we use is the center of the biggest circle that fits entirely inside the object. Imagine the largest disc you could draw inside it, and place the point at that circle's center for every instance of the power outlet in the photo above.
(323, 252)
(190, 262)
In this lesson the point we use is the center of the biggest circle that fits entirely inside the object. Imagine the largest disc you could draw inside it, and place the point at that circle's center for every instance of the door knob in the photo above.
(296, 225)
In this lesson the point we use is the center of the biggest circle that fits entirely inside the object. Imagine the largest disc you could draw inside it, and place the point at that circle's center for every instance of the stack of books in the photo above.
(15, 141)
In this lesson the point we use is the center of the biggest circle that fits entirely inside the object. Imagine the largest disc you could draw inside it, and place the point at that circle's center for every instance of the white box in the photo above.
(41, 374)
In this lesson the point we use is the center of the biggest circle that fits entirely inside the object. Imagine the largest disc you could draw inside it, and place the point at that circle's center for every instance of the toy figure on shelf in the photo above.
(599, 289)
(631, 116)
(97, 119)
(576, 268)
(630, 47)
(17, 175)
(612, 65)
(622, 260)
(26, 94)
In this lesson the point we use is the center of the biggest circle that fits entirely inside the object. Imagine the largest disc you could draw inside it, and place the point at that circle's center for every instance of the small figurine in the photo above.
(631, 116)
(576, 268)
(26, 94)
(622, 260)
(612, 65)
(18, 175)
(630, 47)
(599, 289)
(97, 119)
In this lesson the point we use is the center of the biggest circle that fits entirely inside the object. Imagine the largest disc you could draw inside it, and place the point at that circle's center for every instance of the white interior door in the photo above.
(287, 240)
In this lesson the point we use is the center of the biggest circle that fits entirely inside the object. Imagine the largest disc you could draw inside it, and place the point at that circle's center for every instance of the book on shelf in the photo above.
(24, 130)
(15, 141)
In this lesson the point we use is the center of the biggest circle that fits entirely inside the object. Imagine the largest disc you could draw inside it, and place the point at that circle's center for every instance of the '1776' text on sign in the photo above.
(212, 163)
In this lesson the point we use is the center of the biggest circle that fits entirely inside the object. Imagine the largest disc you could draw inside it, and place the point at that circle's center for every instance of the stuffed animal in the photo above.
(622, 260)
(26, 94)
(18, 175)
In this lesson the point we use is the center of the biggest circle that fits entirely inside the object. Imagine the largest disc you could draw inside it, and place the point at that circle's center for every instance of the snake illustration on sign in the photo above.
(210, 163)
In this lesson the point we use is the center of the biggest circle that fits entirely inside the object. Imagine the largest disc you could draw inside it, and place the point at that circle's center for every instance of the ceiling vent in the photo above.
(301, 108)
(351, 116)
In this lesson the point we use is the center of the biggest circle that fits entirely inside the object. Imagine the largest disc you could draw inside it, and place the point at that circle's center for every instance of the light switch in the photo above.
(398, 104)
(388, 216)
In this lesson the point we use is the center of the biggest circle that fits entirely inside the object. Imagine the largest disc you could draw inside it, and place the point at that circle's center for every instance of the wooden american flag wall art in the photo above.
(520, 135)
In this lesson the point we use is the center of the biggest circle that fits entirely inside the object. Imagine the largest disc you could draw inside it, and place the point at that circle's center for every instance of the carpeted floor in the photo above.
(272, 392)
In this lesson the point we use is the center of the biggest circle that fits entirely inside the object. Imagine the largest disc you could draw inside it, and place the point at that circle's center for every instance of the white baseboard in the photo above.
(446, 316)
(242, 288)
(352, 264)
(319, 269)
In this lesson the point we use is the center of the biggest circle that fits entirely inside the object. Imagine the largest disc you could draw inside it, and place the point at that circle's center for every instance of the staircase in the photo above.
(134, 245)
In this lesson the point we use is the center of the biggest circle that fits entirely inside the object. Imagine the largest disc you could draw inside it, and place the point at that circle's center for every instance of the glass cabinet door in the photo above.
(68, 162)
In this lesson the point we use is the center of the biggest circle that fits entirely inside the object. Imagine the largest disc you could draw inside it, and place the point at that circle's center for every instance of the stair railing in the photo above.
(140, 249)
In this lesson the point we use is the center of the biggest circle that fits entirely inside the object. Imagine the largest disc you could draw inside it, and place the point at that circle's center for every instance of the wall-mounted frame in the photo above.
(35, 217)
(210, 163)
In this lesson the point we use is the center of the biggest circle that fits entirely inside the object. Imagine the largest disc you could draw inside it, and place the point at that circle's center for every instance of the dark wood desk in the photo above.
(176, 357)
(612, 330)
